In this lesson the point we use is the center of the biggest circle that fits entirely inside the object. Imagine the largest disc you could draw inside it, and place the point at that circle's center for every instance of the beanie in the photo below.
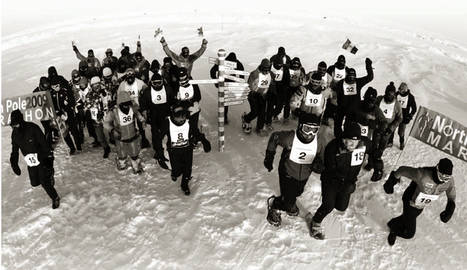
(109, 50)
(370, 93)
(54, 80)
(351, 130)
(444, 166)
(74, 73)
(322, 64)
(308, 118)
(129, 71)
(16, 117)
(95, 79)
(265, 64)
(316, 76)
(351, 72)
(106, 72)
(390, 87)
(156, 76)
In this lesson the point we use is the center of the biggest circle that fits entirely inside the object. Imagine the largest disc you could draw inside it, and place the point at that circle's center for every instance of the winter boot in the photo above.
(377, 175)
(245, 126)
(56, 203)
(316, 231)
(293, 211)
(174, 178)
(136, 165)
(274, 216)
(72, 151)
(392, 238)
(261, 132)
(206, 144)
(368, 166)
(184, 186)
(389, 145)
(161, 160)
(145, 143)
(269, 127)
(106, 152)
(121, 163)
(402, 143)
(78, 147)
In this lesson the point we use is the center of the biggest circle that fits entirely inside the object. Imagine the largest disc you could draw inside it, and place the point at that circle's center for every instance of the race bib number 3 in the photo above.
(423, 199)
(364, 130)
(32, 160)
(357, 156)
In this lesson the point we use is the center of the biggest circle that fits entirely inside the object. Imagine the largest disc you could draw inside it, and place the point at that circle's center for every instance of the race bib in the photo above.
(132, 90)
(403, 101)
(364, 130)
(388, 109)
(357, 156)
(423, 199)
(339, 74)
(126, 119)
(185, 93)
(302, 153)
(31, 160)
(278, 74)
(94, 112)
(179, 134)
(350, 89)
(264, 80)
(313, 100)
(159, 97)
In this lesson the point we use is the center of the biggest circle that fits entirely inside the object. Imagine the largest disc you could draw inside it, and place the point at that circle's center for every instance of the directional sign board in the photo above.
(231, 103)
(213, 60)
(236, 72)
(230, 64)
(233, 78)
(203, 81)
(234, 84)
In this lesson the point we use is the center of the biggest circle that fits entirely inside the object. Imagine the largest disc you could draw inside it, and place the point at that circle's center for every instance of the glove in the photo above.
(389, 184)
(387, 132)
(162, 40)
(49, 161)
(16, 169)
(368, 62)
(205, 42)
(446, 215)
(206, 145)
(268, 160)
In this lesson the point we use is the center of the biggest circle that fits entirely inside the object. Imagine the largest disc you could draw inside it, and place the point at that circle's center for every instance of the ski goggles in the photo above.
(443, 177)
(309, 129)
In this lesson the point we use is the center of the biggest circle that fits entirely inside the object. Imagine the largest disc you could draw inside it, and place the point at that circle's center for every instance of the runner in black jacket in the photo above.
(28, 138)
(343, 158)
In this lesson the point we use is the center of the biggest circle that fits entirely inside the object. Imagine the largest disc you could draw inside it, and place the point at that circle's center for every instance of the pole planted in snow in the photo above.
(221, 139)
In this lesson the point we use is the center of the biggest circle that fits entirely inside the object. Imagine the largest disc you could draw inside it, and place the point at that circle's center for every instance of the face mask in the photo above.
(130, 78)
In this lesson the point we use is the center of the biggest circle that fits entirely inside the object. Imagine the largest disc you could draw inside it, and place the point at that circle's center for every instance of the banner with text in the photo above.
(441, 132)
(35, 107)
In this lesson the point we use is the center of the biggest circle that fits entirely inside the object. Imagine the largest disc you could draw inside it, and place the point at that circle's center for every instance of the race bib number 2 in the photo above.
(32, 160)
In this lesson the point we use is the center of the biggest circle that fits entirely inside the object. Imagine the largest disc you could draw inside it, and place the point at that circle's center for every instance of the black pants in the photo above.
(157, 129)
(257, 109)
(401, 132)
(81, 123)
(44, 176)
(48, 132)
(181, 161)
(290, 189)
(334, 196)
(282, 101)
(405, 225)
(90, 126)
(73, 130)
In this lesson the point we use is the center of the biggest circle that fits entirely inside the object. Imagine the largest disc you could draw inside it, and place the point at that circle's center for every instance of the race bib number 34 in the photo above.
(32, 160)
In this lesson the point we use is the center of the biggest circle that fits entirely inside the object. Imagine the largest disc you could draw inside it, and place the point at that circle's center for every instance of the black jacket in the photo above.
(28, 138)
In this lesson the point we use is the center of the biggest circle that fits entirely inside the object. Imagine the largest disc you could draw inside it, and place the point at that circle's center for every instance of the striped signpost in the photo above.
(229, 93)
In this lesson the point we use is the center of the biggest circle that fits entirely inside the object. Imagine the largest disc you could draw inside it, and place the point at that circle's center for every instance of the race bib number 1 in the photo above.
(32, 160)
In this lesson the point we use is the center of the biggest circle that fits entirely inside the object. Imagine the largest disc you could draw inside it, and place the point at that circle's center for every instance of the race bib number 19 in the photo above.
(423, 199)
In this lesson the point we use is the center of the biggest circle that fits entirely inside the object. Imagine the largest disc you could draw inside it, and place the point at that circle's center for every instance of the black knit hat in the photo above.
(16, 117)
(445, 166)
(352, 131)
(391, 87)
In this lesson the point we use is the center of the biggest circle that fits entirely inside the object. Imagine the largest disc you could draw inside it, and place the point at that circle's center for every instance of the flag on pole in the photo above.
(349, 47)
(441, 132)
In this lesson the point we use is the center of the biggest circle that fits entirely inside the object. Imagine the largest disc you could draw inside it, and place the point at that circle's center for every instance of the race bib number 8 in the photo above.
(357, 156)
(32, 160)
(423, 199)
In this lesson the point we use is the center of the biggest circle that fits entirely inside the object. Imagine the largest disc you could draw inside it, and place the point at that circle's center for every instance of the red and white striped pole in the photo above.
(221, 138)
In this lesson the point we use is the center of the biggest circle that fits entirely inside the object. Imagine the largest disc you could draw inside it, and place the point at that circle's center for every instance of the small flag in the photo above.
(349, 47)
(200, 32)
(157, 32)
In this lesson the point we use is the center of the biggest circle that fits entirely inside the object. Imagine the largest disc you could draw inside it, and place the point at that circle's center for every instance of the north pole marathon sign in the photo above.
(440, 132)
(35, 107)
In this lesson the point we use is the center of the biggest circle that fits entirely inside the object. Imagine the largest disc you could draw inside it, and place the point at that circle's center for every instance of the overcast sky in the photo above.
(446, 17)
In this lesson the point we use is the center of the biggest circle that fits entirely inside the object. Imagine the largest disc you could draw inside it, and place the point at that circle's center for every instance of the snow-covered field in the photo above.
(115, 220)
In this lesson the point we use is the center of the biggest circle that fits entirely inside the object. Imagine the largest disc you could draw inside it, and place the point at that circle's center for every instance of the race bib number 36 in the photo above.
(357, 156)
(32, 160)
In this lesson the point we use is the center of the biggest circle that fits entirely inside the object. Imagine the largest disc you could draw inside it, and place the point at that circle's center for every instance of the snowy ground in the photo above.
(115, 220)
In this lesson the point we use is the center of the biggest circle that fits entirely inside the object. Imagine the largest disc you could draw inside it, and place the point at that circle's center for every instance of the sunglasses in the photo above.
(309, 129)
